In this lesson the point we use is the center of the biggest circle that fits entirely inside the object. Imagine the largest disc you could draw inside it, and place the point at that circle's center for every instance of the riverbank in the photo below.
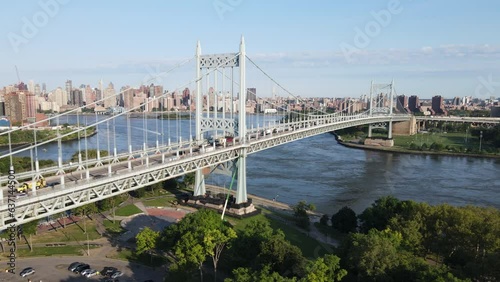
(351, 144)
(42, 135)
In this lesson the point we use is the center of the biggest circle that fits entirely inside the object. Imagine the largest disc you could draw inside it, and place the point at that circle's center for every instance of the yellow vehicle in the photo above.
(27, 185)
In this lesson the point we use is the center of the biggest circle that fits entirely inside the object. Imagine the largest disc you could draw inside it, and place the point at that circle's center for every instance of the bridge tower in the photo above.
(213, 121)
(381, 103)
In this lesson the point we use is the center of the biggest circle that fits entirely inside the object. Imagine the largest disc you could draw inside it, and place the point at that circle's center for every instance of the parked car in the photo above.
(74, 265)
(81, 268)
(108, 270)
(27, 271)
(91, 273)
(116, 274)
(85, 271)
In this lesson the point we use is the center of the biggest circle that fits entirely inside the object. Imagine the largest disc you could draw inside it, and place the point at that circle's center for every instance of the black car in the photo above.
(108, 270)
(81, 268)
(74, 265)
(27, 271)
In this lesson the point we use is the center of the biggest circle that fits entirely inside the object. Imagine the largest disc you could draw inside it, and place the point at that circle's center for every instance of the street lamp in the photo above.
(480, 139)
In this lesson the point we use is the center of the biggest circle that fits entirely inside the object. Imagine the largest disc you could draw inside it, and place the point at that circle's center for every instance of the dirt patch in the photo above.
(166, 213)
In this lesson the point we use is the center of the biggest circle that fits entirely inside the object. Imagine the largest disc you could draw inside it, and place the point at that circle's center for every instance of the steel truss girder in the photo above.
(381, 110)
(123, 157)
(379, 125)
(87, 192)
(219, 60)
(266, 143)
(209, 124)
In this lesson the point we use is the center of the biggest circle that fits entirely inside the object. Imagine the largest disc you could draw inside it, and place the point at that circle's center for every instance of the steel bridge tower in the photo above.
(207, 122)
(381, 102)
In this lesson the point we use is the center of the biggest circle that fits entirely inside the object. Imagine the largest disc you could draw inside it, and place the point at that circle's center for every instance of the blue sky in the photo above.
(451, 48)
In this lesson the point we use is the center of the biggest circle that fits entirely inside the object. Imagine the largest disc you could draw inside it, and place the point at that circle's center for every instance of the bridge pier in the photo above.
(389, 130)
(199, 184)
(241, 192)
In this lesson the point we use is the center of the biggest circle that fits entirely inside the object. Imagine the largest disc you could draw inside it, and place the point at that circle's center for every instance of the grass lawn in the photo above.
(51, 251)
(72, 233)
(127, 210)
(447, 139)
(113, 228)
(455, 140)
(163, 201)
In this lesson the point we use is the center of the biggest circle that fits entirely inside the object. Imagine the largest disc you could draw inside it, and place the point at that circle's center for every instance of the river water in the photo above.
(320, 171)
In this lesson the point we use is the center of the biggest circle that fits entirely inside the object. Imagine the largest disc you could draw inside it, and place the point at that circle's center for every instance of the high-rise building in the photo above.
(414, 104)
(89, 97)
(30, 105)
(128, 97)
(60, 97)
(186, 97)
(76, 97)
(15, 107)
(44, 88)
(109, 96)
(69, 86)
(251, 94)
(438, 105)
(402, 104)
(2, 109)
(31, 86)
(37, 91)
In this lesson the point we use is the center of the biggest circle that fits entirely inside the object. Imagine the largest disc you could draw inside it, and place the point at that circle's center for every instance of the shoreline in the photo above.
(412, 152)
(62, 141)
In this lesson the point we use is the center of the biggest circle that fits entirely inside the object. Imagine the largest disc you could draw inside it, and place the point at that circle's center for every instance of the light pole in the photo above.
(88, 245)
(480, 139)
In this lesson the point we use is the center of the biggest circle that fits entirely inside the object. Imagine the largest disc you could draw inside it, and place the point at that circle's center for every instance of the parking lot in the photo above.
(54, 269)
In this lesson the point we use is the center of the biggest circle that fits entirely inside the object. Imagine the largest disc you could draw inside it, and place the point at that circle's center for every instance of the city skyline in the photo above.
(315, 50)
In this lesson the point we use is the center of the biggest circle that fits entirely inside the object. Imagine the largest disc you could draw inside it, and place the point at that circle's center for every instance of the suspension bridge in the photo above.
(125, 169)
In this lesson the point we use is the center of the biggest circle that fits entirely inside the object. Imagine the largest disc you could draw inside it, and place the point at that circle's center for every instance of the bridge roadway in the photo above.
(484, 120)
(110, 180)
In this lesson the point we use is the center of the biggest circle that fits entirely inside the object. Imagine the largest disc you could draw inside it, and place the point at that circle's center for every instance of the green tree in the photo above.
(91, 153)
(324, 220)
(189, 179)
(372, 255)
(29, 228)
(378, 215)
(215, 240)
(282, 256)
(146, 241)
(300, 212)
(345, 220)
(264, 275)
(245, 250)
(325, 269)
(196, 236)
(190, 252)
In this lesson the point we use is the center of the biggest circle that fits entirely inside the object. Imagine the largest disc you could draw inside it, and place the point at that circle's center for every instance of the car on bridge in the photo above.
(28, 185)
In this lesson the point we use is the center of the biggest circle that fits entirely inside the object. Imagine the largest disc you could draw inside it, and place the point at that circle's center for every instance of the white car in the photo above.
(91, 273)
(85, 272)
(21, 195)
(116, 274)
